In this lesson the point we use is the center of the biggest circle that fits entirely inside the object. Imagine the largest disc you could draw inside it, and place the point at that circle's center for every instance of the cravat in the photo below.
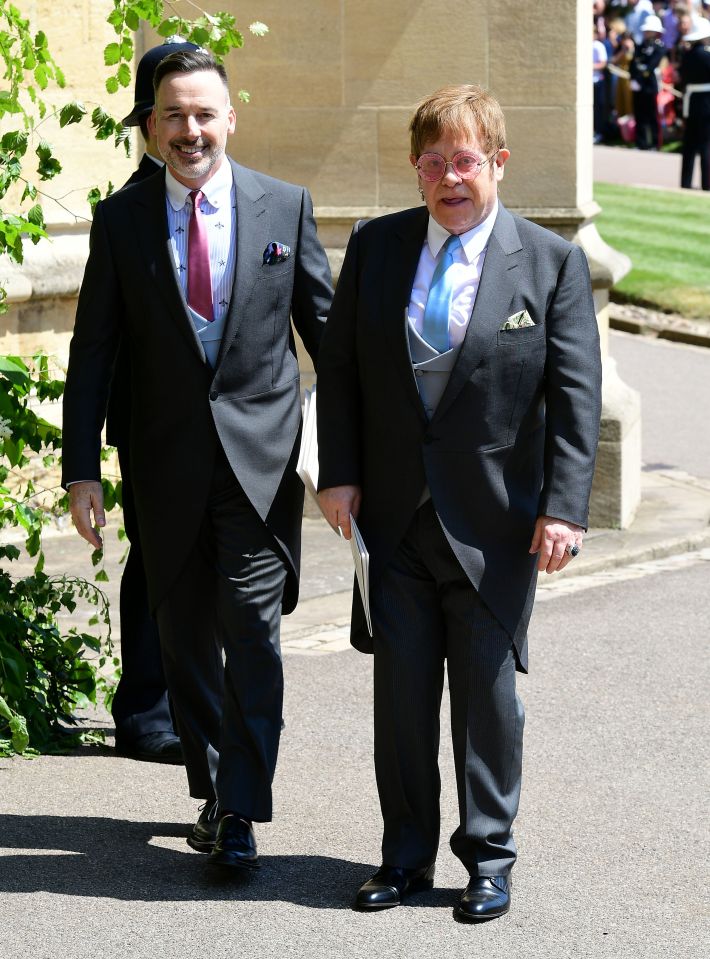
(199, 279)
(435, 327)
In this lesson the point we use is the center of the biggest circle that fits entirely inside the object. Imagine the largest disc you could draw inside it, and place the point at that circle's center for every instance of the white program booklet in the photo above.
(307, 469)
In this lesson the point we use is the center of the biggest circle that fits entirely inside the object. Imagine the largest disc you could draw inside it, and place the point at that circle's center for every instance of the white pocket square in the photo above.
(518, 321)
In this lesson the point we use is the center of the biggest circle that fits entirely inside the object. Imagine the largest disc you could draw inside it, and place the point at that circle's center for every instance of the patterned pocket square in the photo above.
(518, 321)
(276, 253)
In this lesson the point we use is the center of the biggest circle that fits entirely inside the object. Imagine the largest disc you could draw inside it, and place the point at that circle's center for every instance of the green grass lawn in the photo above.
(667, 237)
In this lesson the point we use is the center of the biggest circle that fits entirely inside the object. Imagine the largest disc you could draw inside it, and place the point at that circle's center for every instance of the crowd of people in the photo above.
(651, 76)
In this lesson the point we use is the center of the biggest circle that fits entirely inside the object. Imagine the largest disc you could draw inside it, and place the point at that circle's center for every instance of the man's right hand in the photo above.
(337, 503)
(85, 498)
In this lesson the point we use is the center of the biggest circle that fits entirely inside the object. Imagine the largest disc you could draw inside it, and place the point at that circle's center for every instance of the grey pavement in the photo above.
(639, 167)
(613, 824)
(612, 830)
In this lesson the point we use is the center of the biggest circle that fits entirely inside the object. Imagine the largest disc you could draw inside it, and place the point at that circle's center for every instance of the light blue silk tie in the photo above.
(435, 328)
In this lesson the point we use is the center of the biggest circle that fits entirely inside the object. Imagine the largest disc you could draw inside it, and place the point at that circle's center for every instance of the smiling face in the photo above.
(191, 121)
(460, 205)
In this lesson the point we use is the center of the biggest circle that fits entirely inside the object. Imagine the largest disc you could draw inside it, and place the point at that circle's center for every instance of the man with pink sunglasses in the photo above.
(458, 415)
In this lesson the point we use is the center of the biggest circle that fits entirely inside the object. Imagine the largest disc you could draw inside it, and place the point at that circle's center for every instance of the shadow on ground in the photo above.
(120, 859)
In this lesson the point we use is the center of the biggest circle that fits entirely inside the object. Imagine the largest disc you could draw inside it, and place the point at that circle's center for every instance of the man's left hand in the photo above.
(551, 538)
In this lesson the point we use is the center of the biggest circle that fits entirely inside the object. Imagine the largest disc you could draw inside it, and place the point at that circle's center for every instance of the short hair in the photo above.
(189, 61)
(143, 124)
(459, 108)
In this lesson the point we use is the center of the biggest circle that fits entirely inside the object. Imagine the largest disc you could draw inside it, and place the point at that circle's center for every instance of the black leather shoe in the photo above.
(485, 897)
(390, 884)
(204, 832)
(235, 844)
(152, 748)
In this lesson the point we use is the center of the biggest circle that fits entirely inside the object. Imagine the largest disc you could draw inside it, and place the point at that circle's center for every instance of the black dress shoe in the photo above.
(152, 748)
(204, 832)
(390, 884)
(235, 844)
(485, 897)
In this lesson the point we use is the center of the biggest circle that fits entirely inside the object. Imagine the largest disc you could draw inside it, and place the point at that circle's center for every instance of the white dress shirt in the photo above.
(467, 267)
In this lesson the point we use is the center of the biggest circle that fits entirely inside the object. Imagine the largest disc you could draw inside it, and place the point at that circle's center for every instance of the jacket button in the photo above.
(214, 395)
(419, 372)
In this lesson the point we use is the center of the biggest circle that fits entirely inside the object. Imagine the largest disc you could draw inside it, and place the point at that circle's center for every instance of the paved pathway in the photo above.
(639, 167)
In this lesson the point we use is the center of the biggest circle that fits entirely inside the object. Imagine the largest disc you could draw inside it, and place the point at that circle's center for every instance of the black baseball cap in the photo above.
(144, 96)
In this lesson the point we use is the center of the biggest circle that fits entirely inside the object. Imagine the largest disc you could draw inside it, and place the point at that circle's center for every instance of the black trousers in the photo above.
(696, 142)
(228, 599)
(426, 613)
(646, 114)
(140, 705)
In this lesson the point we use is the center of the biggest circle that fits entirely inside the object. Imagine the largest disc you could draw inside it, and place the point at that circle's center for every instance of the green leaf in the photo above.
(112, 84)
(132, 21)
(48, 165)
(169, 27)
(71, 113)
(15, 141)
(97, 556)
(18, 732)
(41, 75)
(244, 96)
(35, 216)
(127, 49)
(115, 19)
(258, 28)
(124, 75)
(101, 576)
(112, 54)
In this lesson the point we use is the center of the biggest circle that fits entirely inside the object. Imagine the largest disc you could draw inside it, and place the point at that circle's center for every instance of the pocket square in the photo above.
(276, 253)
(518, 321)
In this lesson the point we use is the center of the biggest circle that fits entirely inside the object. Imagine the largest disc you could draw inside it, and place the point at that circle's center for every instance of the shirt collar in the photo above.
(218, 188)
(156, 160)
(473, 242)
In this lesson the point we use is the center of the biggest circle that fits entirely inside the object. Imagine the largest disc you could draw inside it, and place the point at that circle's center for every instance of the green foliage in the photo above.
(47, 672)
(30, 70)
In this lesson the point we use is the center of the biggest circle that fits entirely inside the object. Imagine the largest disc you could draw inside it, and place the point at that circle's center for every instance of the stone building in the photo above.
(332, 89)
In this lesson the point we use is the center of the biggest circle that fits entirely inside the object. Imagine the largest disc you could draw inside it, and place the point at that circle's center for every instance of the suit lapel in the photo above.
(495, 293)
(399, 269)
(252, 225)
(151, 228)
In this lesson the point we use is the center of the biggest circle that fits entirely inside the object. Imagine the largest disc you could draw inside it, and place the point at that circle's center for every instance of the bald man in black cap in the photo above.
(141, 711)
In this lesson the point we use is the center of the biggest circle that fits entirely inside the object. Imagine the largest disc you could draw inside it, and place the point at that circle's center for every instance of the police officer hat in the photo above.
(144, 96)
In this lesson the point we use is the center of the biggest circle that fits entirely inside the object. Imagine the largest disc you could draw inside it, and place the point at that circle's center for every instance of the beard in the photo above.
(207, 154)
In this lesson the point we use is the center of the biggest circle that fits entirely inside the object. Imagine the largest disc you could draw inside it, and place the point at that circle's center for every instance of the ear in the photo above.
(412, 159)
(152, 123)
(231, 120)
(500, 160)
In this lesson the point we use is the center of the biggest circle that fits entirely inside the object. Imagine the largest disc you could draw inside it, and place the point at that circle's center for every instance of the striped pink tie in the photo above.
(199, 279)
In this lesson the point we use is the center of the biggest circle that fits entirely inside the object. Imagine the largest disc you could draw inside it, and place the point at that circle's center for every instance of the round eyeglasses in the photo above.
(466, 166)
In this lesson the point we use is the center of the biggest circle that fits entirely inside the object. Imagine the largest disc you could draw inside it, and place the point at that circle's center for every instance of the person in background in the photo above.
(695, 83)
(644, 83)
(599, 61)
(623, 95)
(639, 11)
(140, 709)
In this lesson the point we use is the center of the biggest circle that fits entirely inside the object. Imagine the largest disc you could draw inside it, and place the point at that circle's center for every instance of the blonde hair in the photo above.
(463, 109)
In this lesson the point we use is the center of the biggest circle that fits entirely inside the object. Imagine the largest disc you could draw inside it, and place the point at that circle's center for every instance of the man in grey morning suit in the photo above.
(458, 417)
(198, 269)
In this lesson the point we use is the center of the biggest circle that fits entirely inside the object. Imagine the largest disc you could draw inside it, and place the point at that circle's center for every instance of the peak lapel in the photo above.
(495, 293)
(151, 228)
(251, 234)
